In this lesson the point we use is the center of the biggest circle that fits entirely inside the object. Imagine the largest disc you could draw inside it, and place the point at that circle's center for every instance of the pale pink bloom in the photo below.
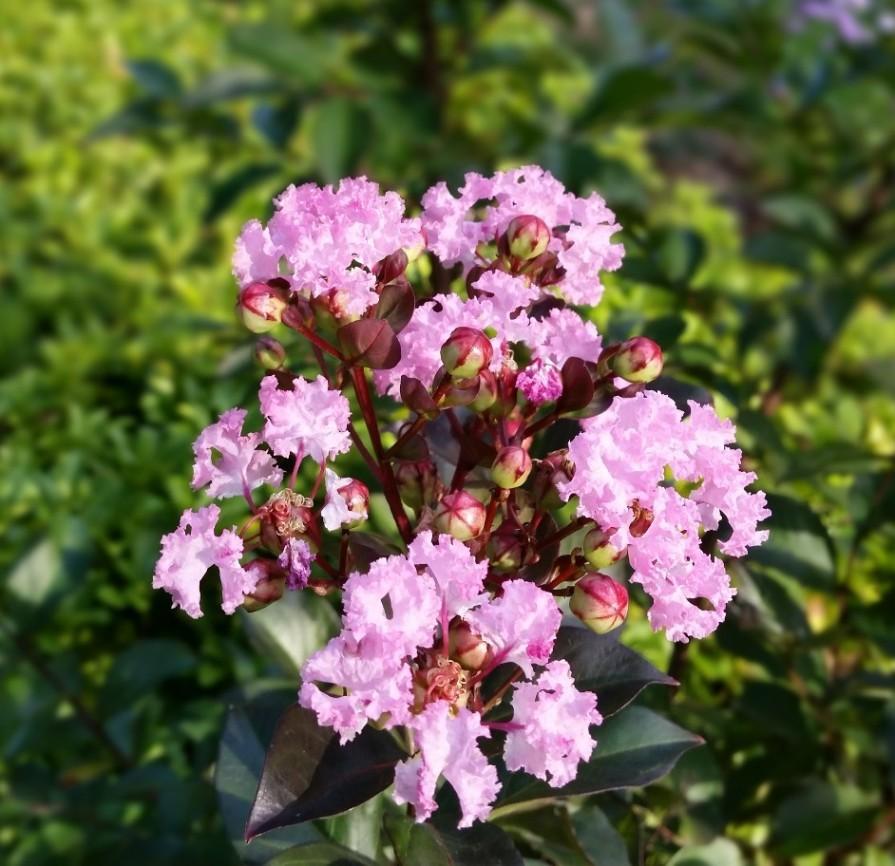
(555, 719)
(392, 602)
(459, 576)
(483, 208)
(228, 462)
(506, 294)
(540, 382)
(323, 239)
(563, 334)
(674, 571)
(188, 553)
(335, 512)
(295, 559)
(310, 419)
(448, 747)
(374, 683)
(520, 624)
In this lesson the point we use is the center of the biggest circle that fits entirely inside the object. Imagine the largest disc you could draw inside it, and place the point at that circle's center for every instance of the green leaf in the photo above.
(338, 133)
(634, 748)
(142, 668)
(308, 774)
(239, 764)
(288, 631)
(679, 254)
(628, 90)
(359, 828)
(721, 852)
(303, 59)
(440, 843)
(799, 544)
(598, 838)
(155, 78)
(602, 665)
(320, 854)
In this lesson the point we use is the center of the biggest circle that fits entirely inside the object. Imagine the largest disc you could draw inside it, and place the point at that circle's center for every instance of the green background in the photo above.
(752, 168)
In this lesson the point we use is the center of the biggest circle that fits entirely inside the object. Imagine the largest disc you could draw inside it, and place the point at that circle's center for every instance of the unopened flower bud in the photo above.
(417, 482)
(262, 306)
(506, 548)
(598, 550)
(555, 468)
(544, 270)
(269, 353)
(637, 360)
(467, 647)
(599, 602)
(486, 394)
(271, 583)
(506, 391)
(511, 467)
(643, 519)
(460, 392)
(391, 267)
(460, 515)
(527, 237)
(466, 352)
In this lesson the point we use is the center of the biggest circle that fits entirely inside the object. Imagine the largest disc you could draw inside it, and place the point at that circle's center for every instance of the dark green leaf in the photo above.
(308, 774)
(602, 665)
(599, 839)
(155, 78)
(721, 852)
(143, 667)
(338, 133)
(320, 854)
(634, 748)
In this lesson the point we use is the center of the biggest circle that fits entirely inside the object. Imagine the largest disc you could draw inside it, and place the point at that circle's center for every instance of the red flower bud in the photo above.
(356, 496)
(460, 514)
(527, 237)
(506, 548)
(270, 586)
(487, 392)
(262, 306)
(417, 482)
(637, 360)
(467, 647)
(269, 353)
(598, 550)
(466, 353)
(599, 602)
(391, 267)
(511, 467)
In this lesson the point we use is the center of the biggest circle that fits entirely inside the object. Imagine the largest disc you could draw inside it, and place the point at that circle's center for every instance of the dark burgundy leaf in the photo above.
(370, 343)
(396, 305)
(365, 549)
(577, 386)
(308, 774)
(417, 398)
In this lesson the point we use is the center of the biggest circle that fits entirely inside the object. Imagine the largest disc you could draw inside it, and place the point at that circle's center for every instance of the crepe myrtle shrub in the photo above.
(452, 660)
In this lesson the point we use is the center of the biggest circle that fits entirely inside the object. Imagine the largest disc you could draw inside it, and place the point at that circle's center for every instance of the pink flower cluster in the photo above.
(623, 459)
(391, 664)
(325, 241)
(450, 641)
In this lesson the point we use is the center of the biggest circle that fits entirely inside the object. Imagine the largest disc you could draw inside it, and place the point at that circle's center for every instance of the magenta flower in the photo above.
(550, 732)
(540, 382)
(228, 462)
(188, 553)
(307, 420)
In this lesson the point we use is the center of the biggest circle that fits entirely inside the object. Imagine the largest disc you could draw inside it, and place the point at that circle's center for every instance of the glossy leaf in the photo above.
(370, 343)
(396, 304)
(577, 386)
(634, 748)
(320, 854)
(601, 664)
(308, 774)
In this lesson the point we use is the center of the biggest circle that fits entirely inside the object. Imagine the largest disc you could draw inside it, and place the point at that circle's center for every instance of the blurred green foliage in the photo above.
(752, 169)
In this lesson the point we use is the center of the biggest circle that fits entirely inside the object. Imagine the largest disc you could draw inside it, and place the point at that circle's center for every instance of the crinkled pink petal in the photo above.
(188, 553)
(520, 624)
(295, 559)
(459, 576)
(540, 382)
(563, 334)
(335, 512)
(556, 718)
(448, 747)
(230, 463)
(310, 419)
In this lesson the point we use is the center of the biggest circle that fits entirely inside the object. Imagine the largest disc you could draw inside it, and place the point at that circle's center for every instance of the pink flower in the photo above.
(392, 602)
(448, 747)
(520, 624)
(375, 683)
(540, 382)
(188, 553)
(459, 577)
(336, 511)
(563, 334)
(240, 467)
(555, 719)
(295, 560)
(308, 420)
(584, 249)
(325, 240)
